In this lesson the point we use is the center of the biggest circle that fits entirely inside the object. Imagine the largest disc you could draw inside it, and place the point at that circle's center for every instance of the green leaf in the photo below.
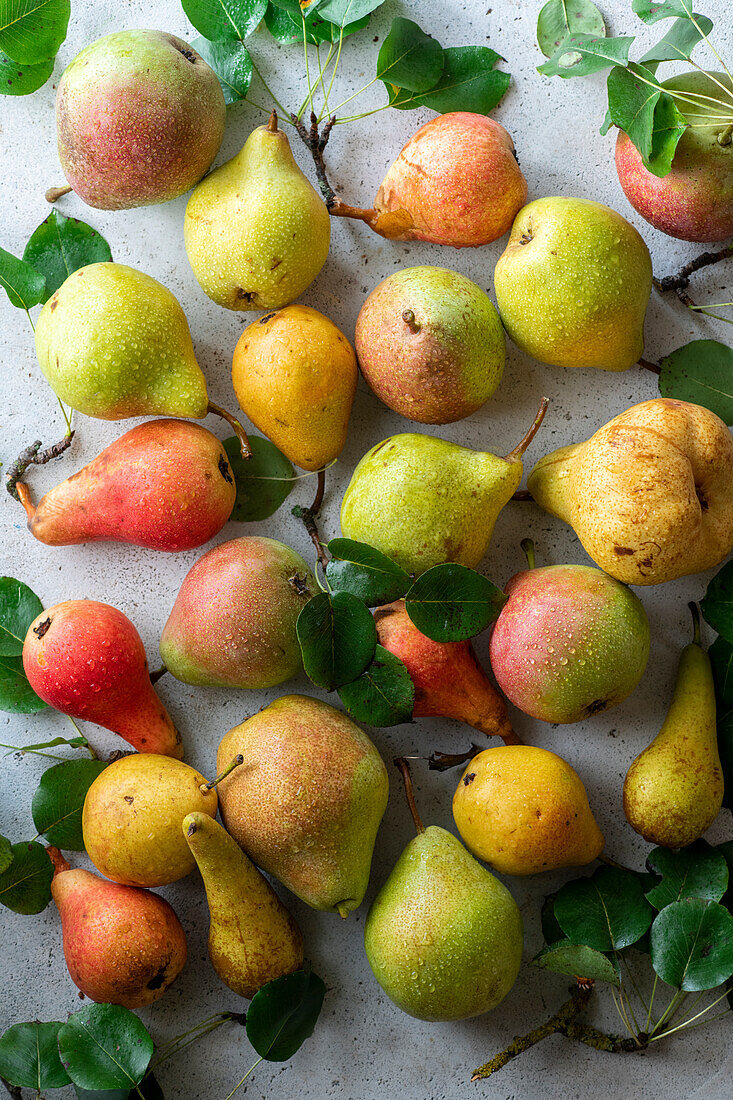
(679, 41)
(409, 58)
(717, 603)
(283, 1014)
(651, 11)
(232, 64)
(79, 742)
(25, 886)
(596, 53)
(668, 126)
(384, 695)
(61, 245)
(59, 800)
(698, 871)
(450, 603)
(31, 31)
(264, 481)
(577, 960)
(700, 372)
(692, 944)
(721, 658)
(287, 27)
(638, 105)
(19, 606)
(551, 930)
(16, 694)
(367, 573)
(6, 854)
(345, 12)
(105, 1047)
(24, 286)
(232, 19)
(607, 911)
(725, 751)
(469, 83)
(17, 78)
(29, 1057)
(337, 638)
(560, 18)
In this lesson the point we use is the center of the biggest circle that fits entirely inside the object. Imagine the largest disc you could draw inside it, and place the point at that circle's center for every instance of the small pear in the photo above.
(673, 791)
(424, 501)
(524, 809)
(256, 231)
(252, 937)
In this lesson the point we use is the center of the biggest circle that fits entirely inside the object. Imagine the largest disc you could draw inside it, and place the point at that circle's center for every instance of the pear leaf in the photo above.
(6, 854)
(232, 64)
(19, 79)
(700, 372)
(698, 871)
(725, 751)
(344, 12)
(551, 930)
(560, 18)
(577, 960)
(287, 26)
(679, 41)
(450, 603)
(16, 694)
(29, 1057)
(25, 885)
(638, 105)
(721, 659)
(692, 944)
(383, 695)
(337, 638)
(367, 573)
(409, 58)
(264, 481)
(232, 19)
(105, 1047)
(717, 604)
(61, 245)
(19, 606)
(24, 286)
(651, 11)
(59, 800)
(469, 82)
(32, 30)
(283, 1014)
(79, 742)
(607, 911)
(596, 53)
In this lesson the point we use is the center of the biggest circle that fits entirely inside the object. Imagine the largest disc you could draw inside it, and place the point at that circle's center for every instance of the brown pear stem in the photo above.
(404, 767)
(244, 447)
(157, 674)
(33, 456)
(24, 496)
(340, 209)
(444, 761)
(408, 316)
(59, 863)
(515, 454)
(310, 515)
(55, 193)
(648, 365)
(528, 548)
(272, 123)
(238, 759)
(695, 612)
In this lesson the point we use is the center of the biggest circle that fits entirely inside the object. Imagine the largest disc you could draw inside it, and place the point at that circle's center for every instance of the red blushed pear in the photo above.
(87, 660)
(123, 945)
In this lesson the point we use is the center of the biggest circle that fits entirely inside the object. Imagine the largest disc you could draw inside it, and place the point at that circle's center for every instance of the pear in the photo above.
(131, 820)
(294, 374)
(524, 809)
(673, 791)
(252, 937)
(443, 936)
(165, 485)
(256, 232)
(233, 622)
(449, 681)
(306, 803)
(424, 501)
(87, 660)
(650, 495)
(573, 285)
(122, 945)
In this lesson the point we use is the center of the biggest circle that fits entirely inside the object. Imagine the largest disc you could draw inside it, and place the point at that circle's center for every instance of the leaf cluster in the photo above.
(30, 37)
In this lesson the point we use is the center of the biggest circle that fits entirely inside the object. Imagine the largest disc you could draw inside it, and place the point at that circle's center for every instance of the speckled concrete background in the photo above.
(364, 1047)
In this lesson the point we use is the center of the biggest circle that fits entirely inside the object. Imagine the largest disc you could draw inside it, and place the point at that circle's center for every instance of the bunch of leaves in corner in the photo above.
(30, 37)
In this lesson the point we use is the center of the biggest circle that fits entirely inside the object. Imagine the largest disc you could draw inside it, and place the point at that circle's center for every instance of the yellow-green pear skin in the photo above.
(256, 231)
(650, 495)
(673, 791)
(443, 936)
(573, 284)
(252, 937)
(307, 801)
(113, 343)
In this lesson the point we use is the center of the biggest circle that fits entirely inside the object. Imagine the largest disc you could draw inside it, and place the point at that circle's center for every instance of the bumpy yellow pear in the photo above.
(256, 231)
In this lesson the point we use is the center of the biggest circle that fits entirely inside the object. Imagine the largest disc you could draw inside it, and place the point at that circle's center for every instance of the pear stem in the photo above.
(408, 317)
(33, 456)
(309, 516)
(205, 787)
(55, 193)
(695, 612)
(340, 209)
(272, 123)
(244, 447)
(528, 548)
(59, 863)
(516, 454)
(647, 365)
(404, 767)
(157, 674)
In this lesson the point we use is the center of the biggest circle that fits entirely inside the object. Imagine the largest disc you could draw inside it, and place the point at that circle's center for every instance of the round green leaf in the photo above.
(19, 79)
(231, 63)
(264, 481)
(19, 606)
(33, 30)
(384, 695)
(25, 885)
(105, 1047)
(607, 911)
(59, 800)
(700, 372)
(365, 572)
(61, 245)
(577, 960)
(450, 603)
(230, 19)
(409, 58)
(344, 13)
(717, 604)
(6, 854)
(559, 18)
(337, 638)
(283, 1014)
(29, 1057)
(692, 944)
(23, 285)
(698, 871)
(16, 694)
(469, 82)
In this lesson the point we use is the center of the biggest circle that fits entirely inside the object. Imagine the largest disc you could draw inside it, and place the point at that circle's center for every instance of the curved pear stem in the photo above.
(205, 787)
(401, 763)
(528, 548)
(272, 123)
(59, 863)
(244, 447)
(340, 209)
(55, 193)
(648, 365)
(443, 761)
(695, 612)
(32, 456)
(516, 453)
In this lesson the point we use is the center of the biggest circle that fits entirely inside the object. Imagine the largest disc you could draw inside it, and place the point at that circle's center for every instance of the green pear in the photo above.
(252, 937)
(256, 231)
(306, 803)
(673, 791)
(424, 501)
(573, 285)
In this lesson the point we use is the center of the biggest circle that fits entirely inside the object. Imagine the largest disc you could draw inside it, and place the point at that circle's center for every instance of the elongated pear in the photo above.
(424, 501)
(673, 791)
(256, 231)
(252, 937)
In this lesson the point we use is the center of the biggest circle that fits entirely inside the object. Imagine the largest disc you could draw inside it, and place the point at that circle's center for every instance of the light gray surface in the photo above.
(364, 1047)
